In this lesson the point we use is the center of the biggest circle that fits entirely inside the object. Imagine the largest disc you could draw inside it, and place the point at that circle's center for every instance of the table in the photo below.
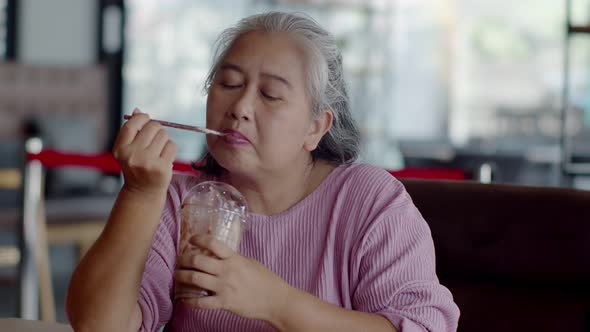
(23, 325)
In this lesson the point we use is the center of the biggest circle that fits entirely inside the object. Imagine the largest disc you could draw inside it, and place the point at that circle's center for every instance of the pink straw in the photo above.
(181, 126)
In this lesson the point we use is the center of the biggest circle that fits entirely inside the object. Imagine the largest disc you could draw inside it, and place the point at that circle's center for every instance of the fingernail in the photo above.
(135, 110)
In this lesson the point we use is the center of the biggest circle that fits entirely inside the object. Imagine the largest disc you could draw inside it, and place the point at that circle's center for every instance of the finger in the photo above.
(206, 302)
(146, 135)
(190, 260)
(217, 247)
(207, 264)
(131, 128)
(158, 142)
(196, 278)
(169, 151)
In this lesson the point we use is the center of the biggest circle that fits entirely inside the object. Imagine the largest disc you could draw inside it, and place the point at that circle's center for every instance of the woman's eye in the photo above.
(230, 86)
(269, 97)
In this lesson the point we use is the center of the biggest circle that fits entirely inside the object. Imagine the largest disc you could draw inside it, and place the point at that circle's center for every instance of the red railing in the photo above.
(105, 162)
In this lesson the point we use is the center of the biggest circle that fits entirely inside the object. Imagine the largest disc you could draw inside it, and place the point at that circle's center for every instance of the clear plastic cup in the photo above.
(214, 208)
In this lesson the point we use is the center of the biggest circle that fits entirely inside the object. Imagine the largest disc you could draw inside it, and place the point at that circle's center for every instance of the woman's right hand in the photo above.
(145, 154)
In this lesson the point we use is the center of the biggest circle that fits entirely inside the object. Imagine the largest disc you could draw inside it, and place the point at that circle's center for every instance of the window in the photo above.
(167, 57)
(465, 72)
(3, 28)
(507, 72)
(169, 52)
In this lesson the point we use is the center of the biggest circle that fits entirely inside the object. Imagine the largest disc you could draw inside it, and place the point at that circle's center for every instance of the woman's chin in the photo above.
(233, 163)
(239, 170)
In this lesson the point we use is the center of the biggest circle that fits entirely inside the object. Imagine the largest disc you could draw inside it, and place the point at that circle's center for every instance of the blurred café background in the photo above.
(498, 90)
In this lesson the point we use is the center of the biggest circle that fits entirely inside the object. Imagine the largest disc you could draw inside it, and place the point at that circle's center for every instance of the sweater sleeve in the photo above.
(156, 291)
(397, 277)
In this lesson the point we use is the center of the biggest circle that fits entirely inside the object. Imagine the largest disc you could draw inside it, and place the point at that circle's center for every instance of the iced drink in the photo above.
(213, 208)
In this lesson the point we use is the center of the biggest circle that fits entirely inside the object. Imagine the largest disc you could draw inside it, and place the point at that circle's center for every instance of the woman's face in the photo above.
(258, 97)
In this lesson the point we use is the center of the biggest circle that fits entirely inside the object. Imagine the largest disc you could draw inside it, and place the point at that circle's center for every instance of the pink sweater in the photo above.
(357, 242)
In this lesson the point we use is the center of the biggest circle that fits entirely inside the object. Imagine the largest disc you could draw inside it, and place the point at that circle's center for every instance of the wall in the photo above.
(57, 32)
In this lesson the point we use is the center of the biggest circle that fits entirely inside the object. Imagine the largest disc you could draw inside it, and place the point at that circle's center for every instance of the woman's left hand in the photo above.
(239, 284)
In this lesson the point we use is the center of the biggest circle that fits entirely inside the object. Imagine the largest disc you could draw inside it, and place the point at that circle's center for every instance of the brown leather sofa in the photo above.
(516, 258)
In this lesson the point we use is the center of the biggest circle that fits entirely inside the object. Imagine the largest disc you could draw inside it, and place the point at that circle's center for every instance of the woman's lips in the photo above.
(234, 137)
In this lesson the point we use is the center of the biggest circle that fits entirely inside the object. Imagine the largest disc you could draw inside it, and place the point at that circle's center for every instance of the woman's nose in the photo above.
(243, 107)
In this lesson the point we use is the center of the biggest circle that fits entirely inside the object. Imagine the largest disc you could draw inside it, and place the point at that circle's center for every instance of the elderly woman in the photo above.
(333, 244)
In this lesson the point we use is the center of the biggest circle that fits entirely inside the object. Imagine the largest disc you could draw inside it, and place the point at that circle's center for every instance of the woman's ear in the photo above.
(318, 127)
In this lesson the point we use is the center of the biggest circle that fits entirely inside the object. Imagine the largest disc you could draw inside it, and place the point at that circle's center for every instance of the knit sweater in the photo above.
(357, 241)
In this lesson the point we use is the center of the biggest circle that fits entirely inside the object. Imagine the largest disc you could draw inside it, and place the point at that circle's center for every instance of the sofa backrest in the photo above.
(516, 258)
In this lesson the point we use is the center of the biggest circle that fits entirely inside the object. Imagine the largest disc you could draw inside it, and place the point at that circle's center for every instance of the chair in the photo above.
(10, 180)
(46, 224)
(77, 221)
(515, 257)
(46, 221)
(31, 258)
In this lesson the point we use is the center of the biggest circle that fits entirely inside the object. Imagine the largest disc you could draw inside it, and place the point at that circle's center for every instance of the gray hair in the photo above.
(325, 82)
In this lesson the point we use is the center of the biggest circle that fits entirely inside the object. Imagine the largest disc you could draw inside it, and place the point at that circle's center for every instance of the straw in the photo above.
(182, 126)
